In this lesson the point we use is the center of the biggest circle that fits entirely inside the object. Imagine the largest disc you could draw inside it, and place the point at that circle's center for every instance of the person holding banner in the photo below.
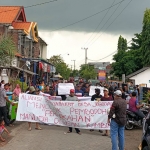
(106, 97)
(34, 92)
(78, 91)
(72, 97)
(97, 96)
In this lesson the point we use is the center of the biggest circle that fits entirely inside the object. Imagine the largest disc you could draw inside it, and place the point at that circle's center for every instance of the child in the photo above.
(2, 129)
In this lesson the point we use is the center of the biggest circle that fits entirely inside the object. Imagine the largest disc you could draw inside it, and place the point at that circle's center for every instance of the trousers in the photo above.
(3, 113)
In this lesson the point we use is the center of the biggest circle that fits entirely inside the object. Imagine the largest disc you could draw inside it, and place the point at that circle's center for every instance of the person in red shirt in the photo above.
(106, 97)
(2, 129)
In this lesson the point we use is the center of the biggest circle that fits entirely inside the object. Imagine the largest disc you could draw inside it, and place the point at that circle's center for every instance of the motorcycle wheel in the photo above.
(145, 148)
(129, 126)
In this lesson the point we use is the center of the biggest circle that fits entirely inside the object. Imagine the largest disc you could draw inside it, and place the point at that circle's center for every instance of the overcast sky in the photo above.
(99, 33)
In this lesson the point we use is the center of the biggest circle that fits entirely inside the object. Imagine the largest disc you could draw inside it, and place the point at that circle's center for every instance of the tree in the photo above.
(56, 59)
(146, 38)
(7, 50)
(87, 72)
(136, 50)
(119, 58)
(136, 42)
(61, 66)
(75, 73)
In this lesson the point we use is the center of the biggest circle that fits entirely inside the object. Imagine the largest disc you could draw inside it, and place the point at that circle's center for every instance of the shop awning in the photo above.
(27, 71)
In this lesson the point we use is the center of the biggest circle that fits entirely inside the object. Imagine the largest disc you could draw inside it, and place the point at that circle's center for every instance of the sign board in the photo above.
(92, 90)
(64, 88)
(83, 114)
(102, 75)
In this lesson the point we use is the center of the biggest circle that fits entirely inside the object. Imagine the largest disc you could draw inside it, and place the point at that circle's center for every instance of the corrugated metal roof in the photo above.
(137, 72)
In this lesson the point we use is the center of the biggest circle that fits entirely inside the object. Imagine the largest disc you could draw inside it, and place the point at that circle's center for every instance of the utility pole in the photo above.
(74, 63)
(85, 54)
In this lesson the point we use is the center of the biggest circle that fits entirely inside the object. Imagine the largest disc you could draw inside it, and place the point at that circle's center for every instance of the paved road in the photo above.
(53, 137)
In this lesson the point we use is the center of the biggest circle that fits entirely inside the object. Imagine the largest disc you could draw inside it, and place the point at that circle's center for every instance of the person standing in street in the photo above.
(32, 91)
(106, 97)
(72, 97)
(3, 108)
(117, 115)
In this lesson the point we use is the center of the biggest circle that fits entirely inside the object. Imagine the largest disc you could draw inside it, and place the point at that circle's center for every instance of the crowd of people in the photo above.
(123, 97)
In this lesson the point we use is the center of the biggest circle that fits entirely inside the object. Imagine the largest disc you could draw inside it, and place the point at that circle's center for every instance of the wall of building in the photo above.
(142, 78)
(44, 52)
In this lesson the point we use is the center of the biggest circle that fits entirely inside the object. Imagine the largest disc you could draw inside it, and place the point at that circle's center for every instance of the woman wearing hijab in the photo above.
(17, 90)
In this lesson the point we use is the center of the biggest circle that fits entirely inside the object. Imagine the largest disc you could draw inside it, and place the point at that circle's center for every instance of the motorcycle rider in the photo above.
(135, 107)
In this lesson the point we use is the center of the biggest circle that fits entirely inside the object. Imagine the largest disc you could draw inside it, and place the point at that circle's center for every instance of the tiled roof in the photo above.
(22, 26)
(8, 13)
(18, 54)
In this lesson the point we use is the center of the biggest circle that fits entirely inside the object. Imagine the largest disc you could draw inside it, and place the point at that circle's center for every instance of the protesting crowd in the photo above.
(124, 97)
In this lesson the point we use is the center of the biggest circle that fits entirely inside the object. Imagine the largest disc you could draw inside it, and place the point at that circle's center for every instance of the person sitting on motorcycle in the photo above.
(135, 107)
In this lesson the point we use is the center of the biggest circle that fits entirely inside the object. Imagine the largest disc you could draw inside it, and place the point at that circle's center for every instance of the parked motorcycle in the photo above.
(133, 120)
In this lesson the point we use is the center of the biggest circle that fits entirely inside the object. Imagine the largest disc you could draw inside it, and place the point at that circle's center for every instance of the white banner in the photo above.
(92, 90)
(83, 114)
(58, 98)
(64, 88)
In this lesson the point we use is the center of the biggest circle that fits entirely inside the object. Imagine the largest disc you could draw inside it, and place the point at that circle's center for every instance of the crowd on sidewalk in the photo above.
(122, 98)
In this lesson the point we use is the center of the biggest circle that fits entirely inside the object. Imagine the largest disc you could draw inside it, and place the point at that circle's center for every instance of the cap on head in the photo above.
(105, 89)
(32, 89)
(118, 93)
(72, 91)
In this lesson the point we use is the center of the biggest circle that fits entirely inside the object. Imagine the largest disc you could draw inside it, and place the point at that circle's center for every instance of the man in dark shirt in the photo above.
(97, 96)
(49, 90)
(117, 115)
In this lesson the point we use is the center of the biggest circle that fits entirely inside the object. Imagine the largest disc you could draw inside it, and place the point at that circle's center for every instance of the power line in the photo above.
(40, 4)
(113, 21)
(87, 17)
(106, 21)
(110, 54)
(100, 22)
(34, 5)
(71, 23)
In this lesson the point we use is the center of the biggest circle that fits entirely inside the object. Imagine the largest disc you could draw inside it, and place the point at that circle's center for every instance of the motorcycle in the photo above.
(133, 120)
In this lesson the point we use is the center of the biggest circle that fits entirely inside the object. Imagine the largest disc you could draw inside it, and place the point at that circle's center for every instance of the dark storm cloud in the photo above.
(58, 14)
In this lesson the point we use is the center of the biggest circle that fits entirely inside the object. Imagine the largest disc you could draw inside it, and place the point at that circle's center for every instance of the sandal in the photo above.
(104, 134)
(38, 128)
(79, 133)
(3, 140)
(29, 129)
(69, 132)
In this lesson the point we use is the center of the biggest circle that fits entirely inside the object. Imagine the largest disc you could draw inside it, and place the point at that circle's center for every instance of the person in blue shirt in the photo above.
(78, 91)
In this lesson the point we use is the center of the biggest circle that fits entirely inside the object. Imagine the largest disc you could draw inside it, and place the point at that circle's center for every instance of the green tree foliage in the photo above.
(61, 66)
(146, 38)
(120, 58)
(56, 59)
(87, 72)
(75, 73)
(136, 51)
(7, 50)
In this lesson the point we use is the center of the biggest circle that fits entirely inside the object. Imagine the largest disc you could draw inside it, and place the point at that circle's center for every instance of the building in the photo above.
(31, 50)
(102, 69)
(141, 76)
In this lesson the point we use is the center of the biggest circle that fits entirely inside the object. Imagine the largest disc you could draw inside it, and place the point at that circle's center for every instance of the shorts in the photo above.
(1, 131)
